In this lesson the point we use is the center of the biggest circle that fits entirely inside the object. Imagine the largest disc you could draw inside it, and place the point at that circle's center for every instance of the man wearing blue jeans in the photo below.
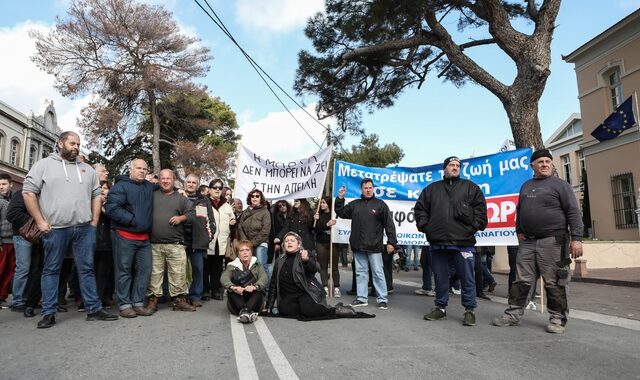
(369, 216)
(62, 194)
(450, 212)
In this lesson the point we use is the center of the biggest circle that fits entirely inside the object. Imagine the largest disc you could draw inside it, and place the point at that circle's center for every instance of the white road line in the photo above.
(244, 361)
(279, 361)
(609, 320)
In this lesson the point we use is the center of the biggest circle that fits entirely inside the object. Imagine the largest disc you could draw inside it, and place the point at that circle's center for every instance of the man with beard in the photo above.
(450, 212)
(62, 194)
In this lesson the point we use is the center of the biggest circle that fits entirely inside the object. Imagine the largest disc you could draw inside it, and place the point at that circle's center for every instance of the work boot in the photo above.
(142, 311)
(505, 320)
(180, 304)
(128, 313)
(152, 304)
(436, 314)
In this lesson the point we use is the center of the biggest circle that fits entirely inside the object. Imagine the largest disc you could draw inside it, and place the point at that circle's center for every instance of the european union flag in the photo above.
(616, 123)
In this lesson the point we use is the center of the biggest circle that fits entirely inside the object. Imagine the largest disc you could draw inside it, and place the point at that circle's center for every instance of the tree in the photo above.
(370, 51)
(126, 53)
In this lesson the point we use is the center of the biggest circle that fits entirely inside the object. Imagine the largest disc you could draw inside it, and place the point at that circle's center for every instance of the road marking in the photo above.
(278, 360)
(244, 360)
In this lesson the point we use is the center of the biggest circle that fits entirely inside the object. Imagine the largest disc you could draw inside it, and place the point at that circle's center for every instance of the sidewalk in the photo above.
(611, 276)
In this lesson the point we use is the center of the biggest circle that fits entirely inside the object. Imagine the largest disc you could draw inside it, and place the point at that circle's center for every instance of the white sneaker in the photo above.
(532, 306)
(456, 291)
(326, 290)
(253, 316)
(336, 292)
(422, 292)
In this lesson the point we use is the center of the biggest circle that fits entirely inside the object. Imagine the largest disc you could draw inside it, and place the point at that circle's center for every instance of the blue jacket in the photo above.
(130, 205)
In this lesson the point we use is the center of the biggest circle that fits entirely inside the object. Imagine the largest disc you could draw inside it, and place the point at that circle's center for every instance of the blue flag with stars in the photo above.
(616, 123)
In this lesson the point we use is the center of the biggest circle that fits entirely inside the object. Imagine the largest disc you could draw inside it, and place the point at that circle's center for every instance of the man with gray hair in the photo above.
(62, 195)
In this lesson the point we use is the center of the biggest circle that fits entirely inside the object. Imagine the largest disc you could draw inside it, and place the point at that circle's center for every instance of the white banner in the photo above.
(301, 178)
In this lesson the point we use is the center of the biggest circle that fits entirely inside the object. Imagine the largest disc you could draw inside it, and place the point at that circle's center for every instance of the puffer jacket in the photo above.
(254, 225)
(304, 275)
(450, 212)
(130, 205)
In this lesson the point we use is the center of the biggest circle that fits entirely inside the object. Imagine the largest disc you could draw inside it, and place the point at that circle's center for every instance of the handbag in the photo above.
(243, 278)
(230, 252)
(30, 231)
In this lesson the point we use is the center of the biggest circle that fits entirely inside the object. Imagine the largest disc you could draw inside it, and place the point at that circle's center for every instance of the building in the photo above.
(24, 139)
(568, 159)
(608, 72)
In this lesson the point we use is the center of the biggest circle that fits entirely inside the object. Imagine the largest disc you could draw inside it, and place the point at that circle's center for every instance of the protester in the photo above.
(450, 212)
(324, 222)
(425, 262)
(130, 207)
(217, 249)
(104, 256)
(549, 228)
(281, 212)
(7, 253)
(369, 217)
(170, 211)
(62, 195)
(300, 221)
(294, 289)
(254, 225)
(409, 249)
(244, 279)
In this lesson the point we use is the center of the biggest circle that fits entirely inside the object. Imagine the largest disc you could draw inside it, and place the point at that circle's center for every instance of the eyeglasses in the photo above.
(282, 205)
(255, 195)
(216, 187)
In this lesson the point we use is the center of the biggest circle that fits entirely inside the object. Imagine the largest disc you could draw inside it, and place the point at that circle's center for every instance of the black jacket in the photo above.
(304, 275)
(451, 211)
(323, 232)
(130, 205)
(17, 213)
(103, 234)
(294, 223)
(369, 217)
(198, 234)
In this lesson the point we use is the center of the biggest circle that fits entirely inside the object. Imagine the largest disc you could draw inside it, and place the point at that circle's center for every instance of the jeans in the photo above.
(416, 257)
(425, 262)
(23, 263)
(363, 260)
(262, 254)
(132, 269)
(196, 258)
(464, 263)
(82, 240)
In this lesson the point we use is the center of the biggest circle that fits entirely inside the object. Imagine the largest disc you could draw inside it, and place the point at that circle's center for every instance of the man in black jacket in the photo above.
(450, 212)
(369, 216)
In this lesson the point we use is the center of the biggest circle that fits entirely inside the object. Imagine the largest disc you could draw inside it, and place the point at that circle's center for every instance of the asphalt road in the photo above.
(398, 343)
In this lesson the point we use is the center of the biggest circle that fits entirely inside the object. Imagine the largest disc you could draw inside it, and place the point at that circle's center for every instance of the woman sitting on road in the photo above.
(294, 288)
(244, 279)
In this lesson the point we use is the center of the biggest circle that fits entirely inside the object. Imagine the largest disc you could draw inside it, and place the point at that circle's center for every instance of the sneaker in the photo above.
(456, 291)
(422, 292)
(358, 303)
(436, 314)
(326, 290)
(504, 321)
(492, 287)
(469, 318)
(532, 306)
(81, 307)
(555, 328)
(253, 317)
(244, 316)
(336, 293)
(383, 306)
(47, 321)
(101, 315)
(390, 291)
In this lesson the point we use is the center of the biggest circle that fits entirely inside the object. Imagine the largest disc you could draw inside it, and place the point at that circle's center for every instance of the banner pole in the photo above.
(235, 178)
(330, 268)
(323, 182)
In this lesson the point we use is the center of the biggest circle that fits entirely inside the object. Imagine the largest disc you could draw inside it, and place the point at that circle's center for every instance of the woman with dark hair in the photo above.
(225, 218)
(281, 211)
(294, 290)
(254, 225)
(244, 280)
(227, 194)
(323, 239)
(103, 257)
(300, 221)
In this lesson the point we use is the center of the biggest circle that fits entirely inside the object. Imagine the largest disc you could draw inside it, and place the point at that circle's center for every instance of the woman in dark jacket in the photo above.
(255, 224)
(281, 212)
(103, 257)
(294, 288)
(323, 240)
(301, 222)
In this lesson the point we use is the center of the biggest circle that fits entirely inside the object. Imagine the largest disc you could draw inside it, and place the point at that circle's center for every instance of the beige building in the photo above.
(608, 72)
(24, 139)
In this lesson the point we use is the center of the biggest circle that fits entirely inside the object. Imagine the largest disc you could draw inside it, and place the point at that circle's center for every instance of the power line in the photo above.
(260, 71)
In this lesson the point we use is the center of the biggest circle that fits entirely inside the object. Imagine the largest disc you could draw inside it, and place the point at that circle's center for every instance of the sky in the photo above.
(429, 124)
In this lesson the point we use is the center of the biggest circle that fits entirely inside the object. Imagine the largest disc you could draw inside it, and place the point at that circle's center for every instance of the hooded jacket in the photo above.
(369, 217)
(304, 275)
(450, 212)
(236, 265)
(65, 190)
(130, 205)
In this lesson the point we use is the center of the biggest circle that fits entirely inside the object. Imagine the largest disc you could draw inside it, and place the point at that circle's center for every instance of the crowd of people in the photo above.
(143, 240)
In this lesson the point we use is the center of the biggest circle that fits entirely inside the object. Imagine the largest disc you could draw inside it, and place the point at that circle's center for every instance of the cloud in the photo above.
(280, 137)
(25, 87)
(276, 16)
(629, 4)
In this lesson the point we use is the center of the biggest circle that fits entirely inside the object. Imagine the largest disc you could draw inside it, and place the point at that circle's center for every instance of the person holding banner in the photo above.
(323, 239)
(549, 228)
(369, 216)
(255, 224)
(450, 212)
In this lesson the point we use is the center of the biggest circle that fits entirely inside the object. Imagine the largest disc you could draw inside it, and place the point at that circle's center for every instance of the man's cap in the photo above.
(540, 153)
(448, 160)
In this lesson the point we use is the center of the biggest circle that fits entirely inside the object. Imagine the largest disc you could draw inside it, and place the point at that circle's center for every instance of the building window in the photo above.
(33, 155)
(2, 147)
(46, 151)
(615, 88)
(566, 167)
(624, 201)
(13, 152)
(573, 129)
